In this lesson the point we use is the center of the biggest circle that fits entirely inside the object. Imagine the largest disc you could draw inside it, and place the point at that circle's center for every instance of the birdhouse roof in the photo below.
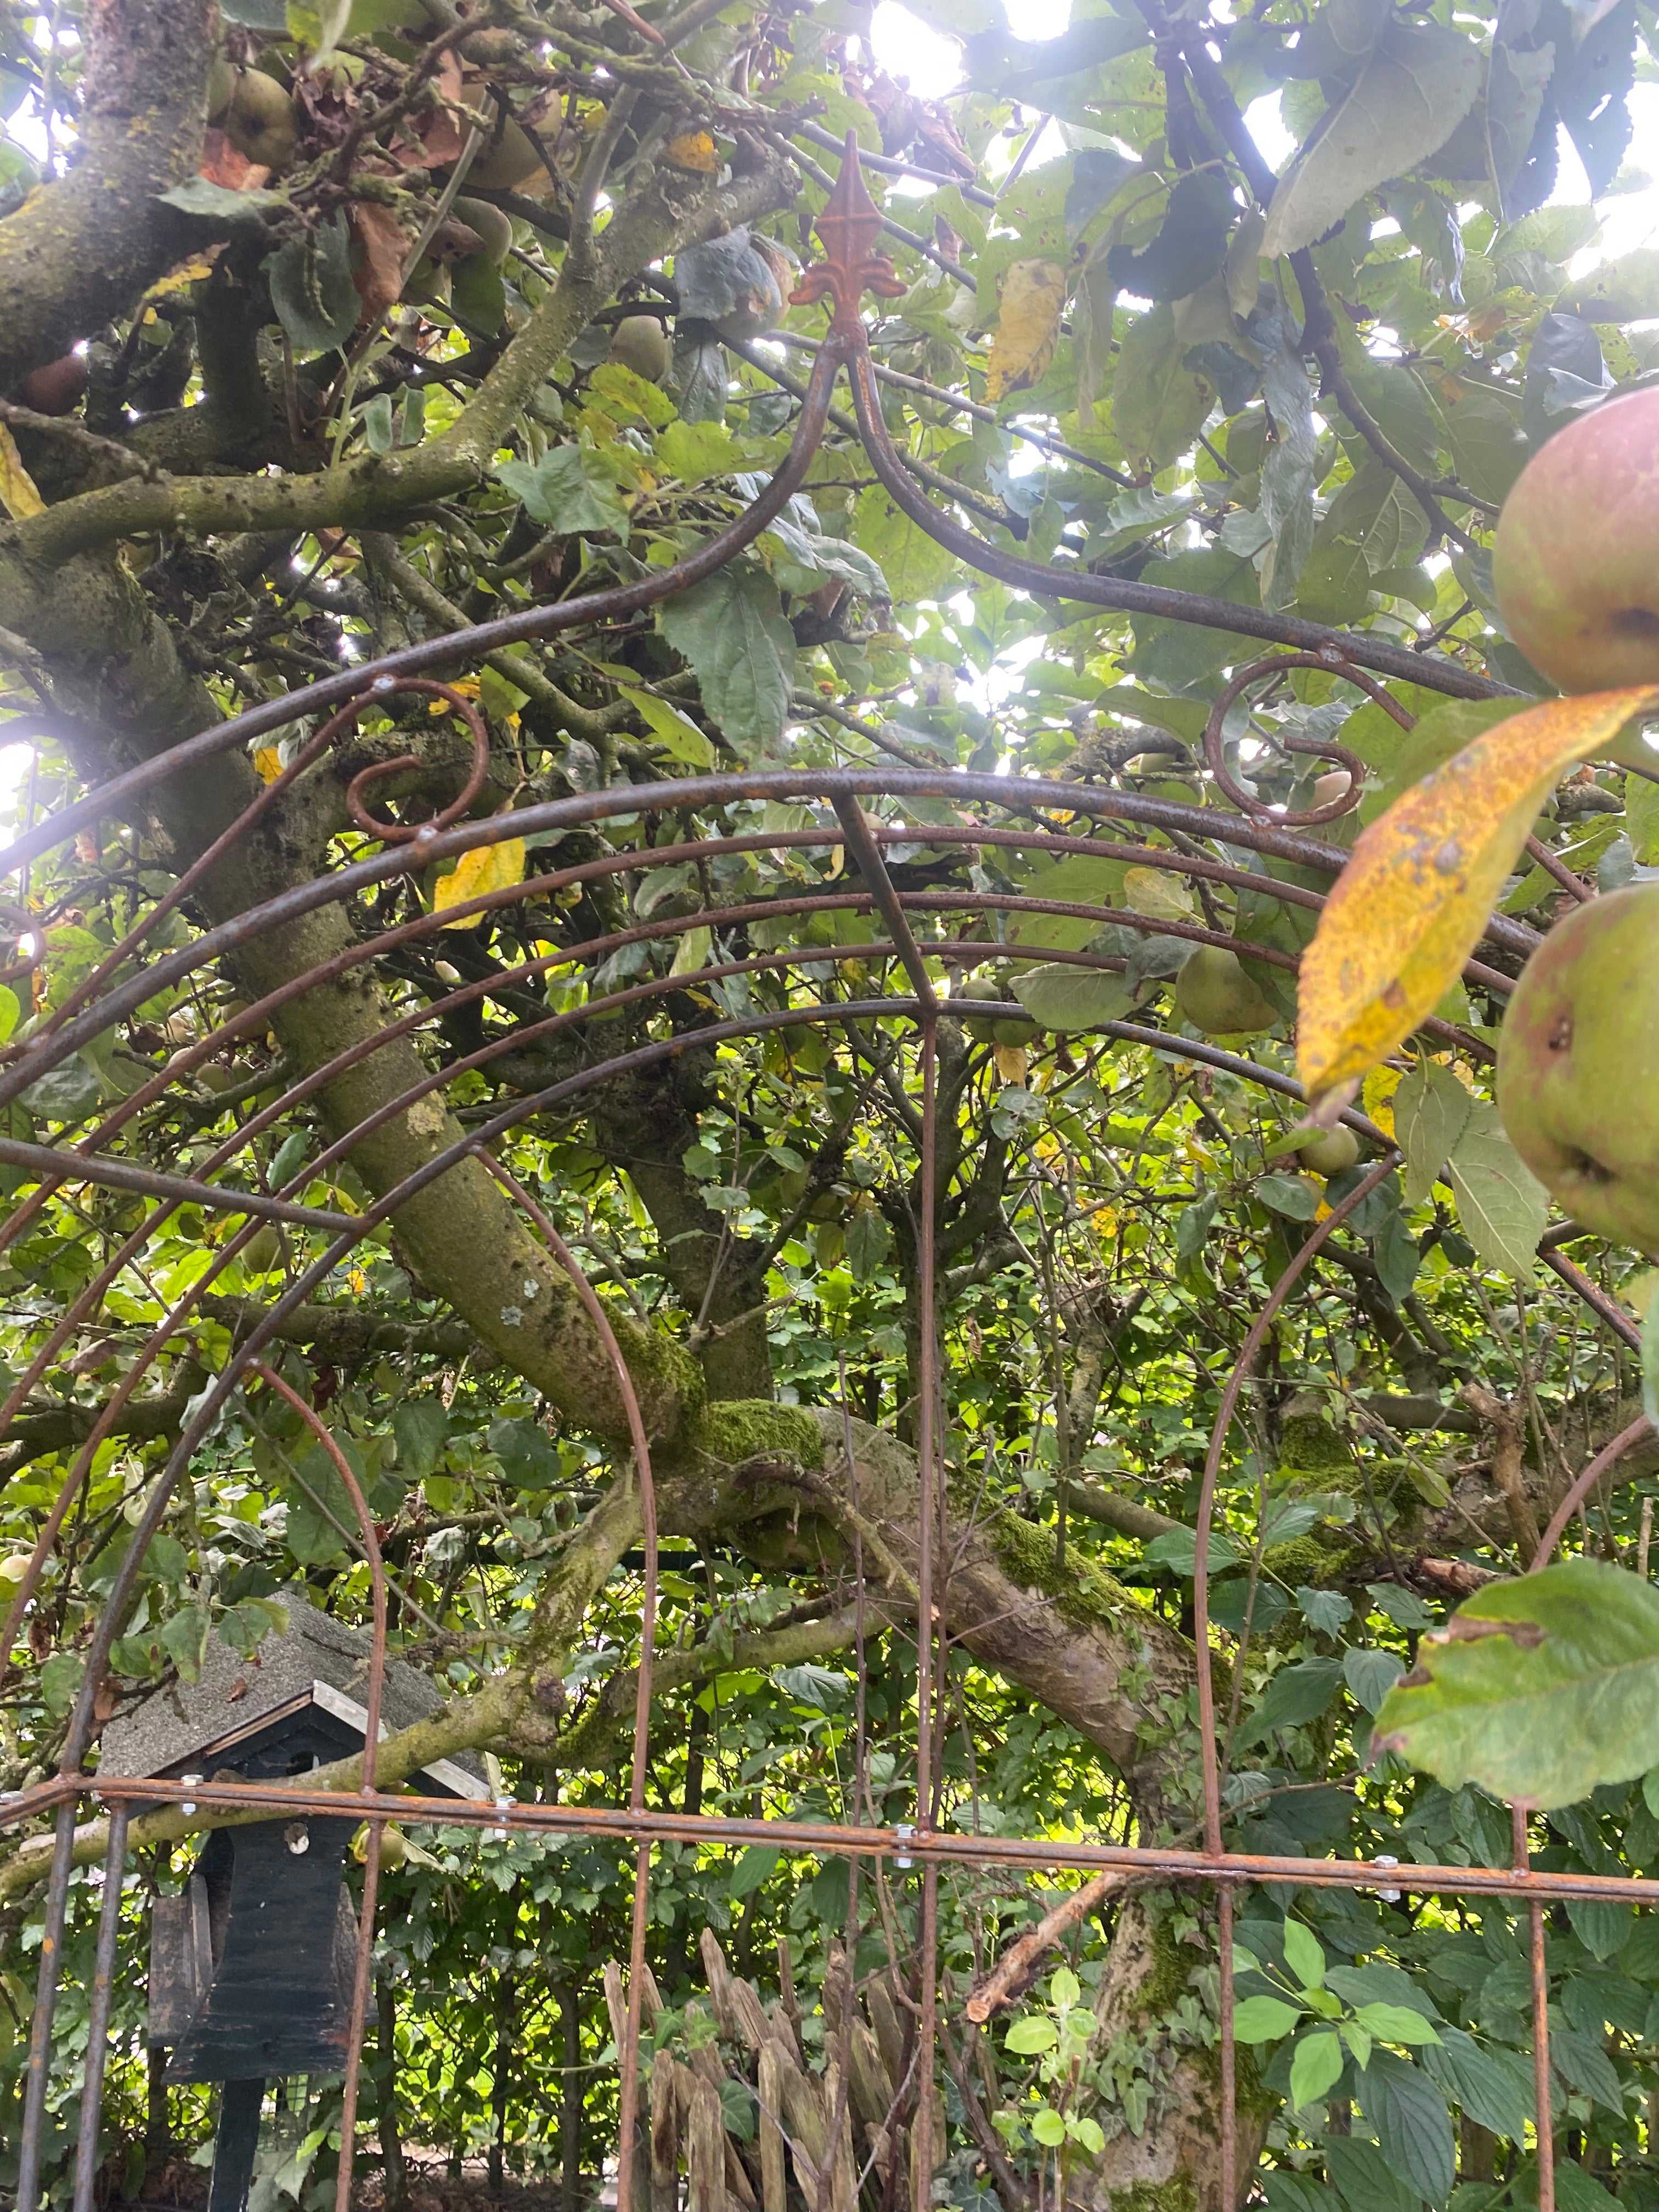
(317, 1667)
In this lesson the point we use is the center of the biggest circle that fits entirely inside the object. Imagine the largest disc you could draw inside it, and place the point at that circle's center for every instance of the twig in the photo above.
(1013, 1970)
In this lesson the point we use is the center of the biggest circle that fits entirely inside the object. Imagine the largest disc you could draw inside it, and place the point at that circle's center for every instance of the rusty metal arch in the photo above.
(1005, 805)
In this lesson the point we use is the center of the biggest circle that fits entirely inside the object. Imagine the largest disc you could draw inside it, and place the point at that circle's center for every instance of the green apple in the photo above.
(1578, 1066)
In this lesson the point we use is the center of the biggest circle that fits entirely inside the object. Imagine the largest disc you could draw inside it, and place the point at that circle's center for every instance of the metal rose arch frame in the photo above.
(1035, 816)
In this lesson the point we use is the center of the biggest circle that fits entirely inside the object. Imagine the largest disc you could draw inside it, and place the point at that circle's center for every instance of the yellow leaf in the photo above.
(1410, 906)
(1033, 294)
(1155, 891)
(1010, 1063)
(693, 151)
(268, 763)
(485, 868)
(17, 492)
(1378, 1096)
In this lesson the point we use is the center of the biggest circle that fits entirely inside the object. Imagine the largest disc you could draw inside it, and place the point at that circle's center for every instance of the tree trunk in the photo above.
(570, 2099)
(395, 2179)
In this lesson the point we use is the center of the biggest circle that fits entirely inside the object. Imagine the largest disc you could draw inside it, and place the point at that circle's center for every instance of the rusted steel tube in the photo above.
(45, 2009)
(1586, 1482)
(262, 1801)
(98, 2009)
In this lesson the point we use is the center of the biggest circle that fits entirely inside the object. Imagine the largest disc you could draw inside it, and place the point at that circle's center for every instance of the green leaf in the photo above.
(1035, 2032)
(1392, 2023)
(869, 1239)
(1065, 1990)
(1364, 2179)
(1302, 1955)
(676, 733)
(1098, 175)
(1411, 94)
(1158, 405)
(1327, 1611)
(693, 451)
(1491, 2089)
(1370, 1675)
(1501, 1203)
(730, 628)
(1264, 2020)
(1316, 2065)
(9, 1011)
(1064, 998)
(1413, 2127)
(1539, 1688)
(566, 489)
(753, 1865)
(1191, 244)
(310, 287)
(1046, 2125)
(220, 202)
(318, 25)
(1431, 1110)
(1296, 1695)
(184, 1638)
(1289, 1194)
(915, 566)
(1650, 1362)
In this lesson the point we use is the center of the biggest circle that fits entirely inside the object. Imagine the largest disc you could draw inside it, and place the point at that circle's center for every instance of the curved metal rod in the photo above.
(472, 643)
(694, 792)
(314, 747)
(1262, 671)
(1124, 597)
(220, 1391)
(318, 1078)
(1581, 1488)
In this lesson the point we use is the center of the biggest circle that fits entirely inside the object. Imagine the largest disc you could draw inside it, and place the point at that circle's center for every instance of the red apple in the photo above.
(1576, 562)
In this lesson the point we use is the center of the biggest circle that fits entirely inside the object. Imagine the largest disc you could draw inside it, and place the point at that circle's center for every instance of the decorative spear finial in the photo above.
(848, 229)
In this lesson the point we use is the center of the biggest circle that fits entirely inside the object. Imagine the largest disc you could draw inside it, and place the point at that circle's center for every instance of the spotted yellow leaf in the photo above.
(1033, 294)
(1376, 1096)
(17, 493)
(485, 868)
(268, 763)
(1409, 908)
(1010, 1064)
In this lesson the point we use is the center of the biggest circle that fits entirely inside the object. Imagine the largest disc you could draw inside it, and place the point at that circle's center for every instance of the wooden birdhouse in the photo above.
(251, 1966)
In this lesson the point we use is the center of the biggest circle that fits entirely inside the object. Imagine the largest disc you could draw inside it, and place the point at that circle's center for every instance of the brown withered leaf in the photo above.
(377, 264)
(225, 164)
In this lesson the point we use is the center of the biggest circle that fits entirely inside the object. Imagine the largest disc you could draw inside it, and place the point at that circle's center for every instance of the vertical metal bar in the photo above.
(1228, 2049)
(103, 1980)
(927, 1442)
(926, 2036)
(46, 2005)
(927, 1364)
(1540, 2022)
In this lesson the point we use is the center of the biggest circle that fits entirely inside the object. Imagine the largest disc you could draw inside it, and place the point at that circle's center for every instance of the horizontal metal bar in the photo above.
(61, 1166)
(278, 1801)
